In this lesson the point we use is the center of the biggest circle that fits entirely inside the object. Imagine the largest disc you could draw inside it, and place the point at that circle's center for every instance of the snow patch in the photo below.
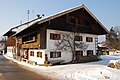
(82, 71)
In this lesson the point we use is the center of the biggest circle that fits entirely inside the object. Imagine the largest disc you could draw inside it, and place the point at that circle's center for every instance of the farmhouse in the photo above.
(11, 39)
(37, 41)
(10, 43)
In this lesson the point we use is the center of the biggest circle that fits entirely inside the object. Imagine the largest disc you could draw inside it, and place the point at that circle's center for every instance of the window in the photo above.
(39, 54)
(72, 19)
(79, 53)
(54, 36)
(89, 52)
(78, 38)
(89, 39)
(55, 54)
(31, 53)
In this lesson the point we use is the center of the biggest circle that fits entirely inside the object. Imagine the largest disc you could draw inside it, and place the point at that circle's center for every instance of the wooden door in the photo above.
(26, 54)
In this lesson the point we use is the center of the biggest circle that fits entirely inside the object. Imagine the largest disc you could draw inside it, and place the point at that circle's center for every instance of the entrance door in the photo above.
(26, 55)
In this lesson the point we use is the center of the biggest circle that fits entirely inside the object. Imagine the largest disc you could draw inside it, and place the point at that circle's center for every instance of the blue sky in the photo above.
(12, 12)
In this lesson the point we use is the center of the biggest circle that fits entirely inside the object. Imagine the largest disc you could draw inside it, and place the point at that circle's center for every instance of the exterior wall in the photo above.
(67, 56)
(11, 41)
(18, 46)
(35, 58)
(91, 45)
(10, 51)
(51, 47)
(32, 44)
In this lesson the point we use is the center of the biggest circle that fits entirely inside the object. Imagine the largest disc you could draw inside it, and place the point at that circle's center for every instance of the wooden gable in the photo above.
(9, 33)
(79, 19)
(10, 40)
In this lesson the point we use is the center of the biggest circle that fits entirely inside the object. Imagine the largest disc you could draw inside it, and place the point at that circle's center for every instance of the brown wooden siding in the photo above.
(43, 38)
(30, 45)
(79, 21)
(19, 43)
(11, 41)
(33, 44)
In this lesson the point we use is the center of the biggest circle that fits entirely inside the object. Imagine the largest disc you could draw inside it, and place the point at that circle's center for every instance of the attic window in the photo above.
(72, 19)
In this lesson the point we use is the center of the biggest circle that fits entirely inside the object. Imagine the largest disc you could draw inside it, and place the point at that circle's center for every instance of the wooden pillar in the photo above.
(46, 59)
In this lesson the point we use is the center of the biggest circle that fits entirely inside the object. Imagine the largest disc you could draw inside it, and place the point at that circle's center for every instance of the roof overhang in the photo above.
(48, 18)
(9, 33)
(71, 10)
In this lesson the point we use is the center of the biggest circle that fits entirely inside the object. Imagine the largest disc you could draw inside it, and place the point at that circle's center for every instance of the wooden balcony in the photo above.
(31, 45)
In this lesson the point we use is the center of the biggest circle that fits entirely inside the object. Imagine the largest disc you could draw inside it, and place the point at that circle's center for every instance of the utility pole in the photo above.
(28, 12)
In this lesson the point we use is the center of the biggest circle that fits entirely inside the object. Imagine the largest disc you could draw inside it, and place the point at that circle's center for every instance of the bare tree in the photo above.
(69, 44)
(113, 38)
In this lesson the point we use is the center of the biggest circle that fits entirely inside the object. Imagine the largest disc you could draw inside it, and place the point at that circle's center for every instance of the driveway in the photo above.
(12, 71)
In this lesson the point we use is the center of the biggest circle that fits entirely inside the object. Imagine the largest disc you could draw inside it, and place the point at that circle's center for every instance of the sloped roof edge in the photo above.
(47, 18)
(95, 18)
(71, 10)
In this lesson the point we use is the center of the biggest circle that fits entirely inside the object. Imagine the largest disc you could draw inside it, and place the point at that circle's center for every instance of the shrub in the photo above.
(87, 58)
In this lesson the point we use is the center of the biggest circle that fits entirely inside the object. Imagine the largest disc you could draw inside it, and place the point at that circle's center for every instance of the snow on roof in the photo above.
(24, 26)
(47, 18)
(21, 27)
(71, 10)
(44, 19)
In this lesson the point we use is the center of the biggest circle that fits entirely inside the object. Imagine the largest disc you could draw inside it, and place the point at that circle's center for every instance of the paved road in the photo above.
(12, 71)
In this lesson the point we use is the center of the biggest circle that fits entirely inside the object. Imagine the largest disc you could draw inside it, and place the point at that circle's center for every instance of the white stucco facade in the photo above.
(67, 56)
(35, 58)
(10, 51)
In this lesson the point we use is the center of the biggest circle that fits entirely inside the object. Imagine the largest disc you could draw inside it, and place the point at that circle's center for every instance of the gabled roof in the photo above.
(71, 10)
(47, 18)
(21, 27)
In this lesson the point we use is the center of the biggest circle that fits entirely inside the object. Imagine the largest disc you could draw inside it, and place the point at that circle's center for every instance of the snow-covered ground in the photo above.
(82, 71)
